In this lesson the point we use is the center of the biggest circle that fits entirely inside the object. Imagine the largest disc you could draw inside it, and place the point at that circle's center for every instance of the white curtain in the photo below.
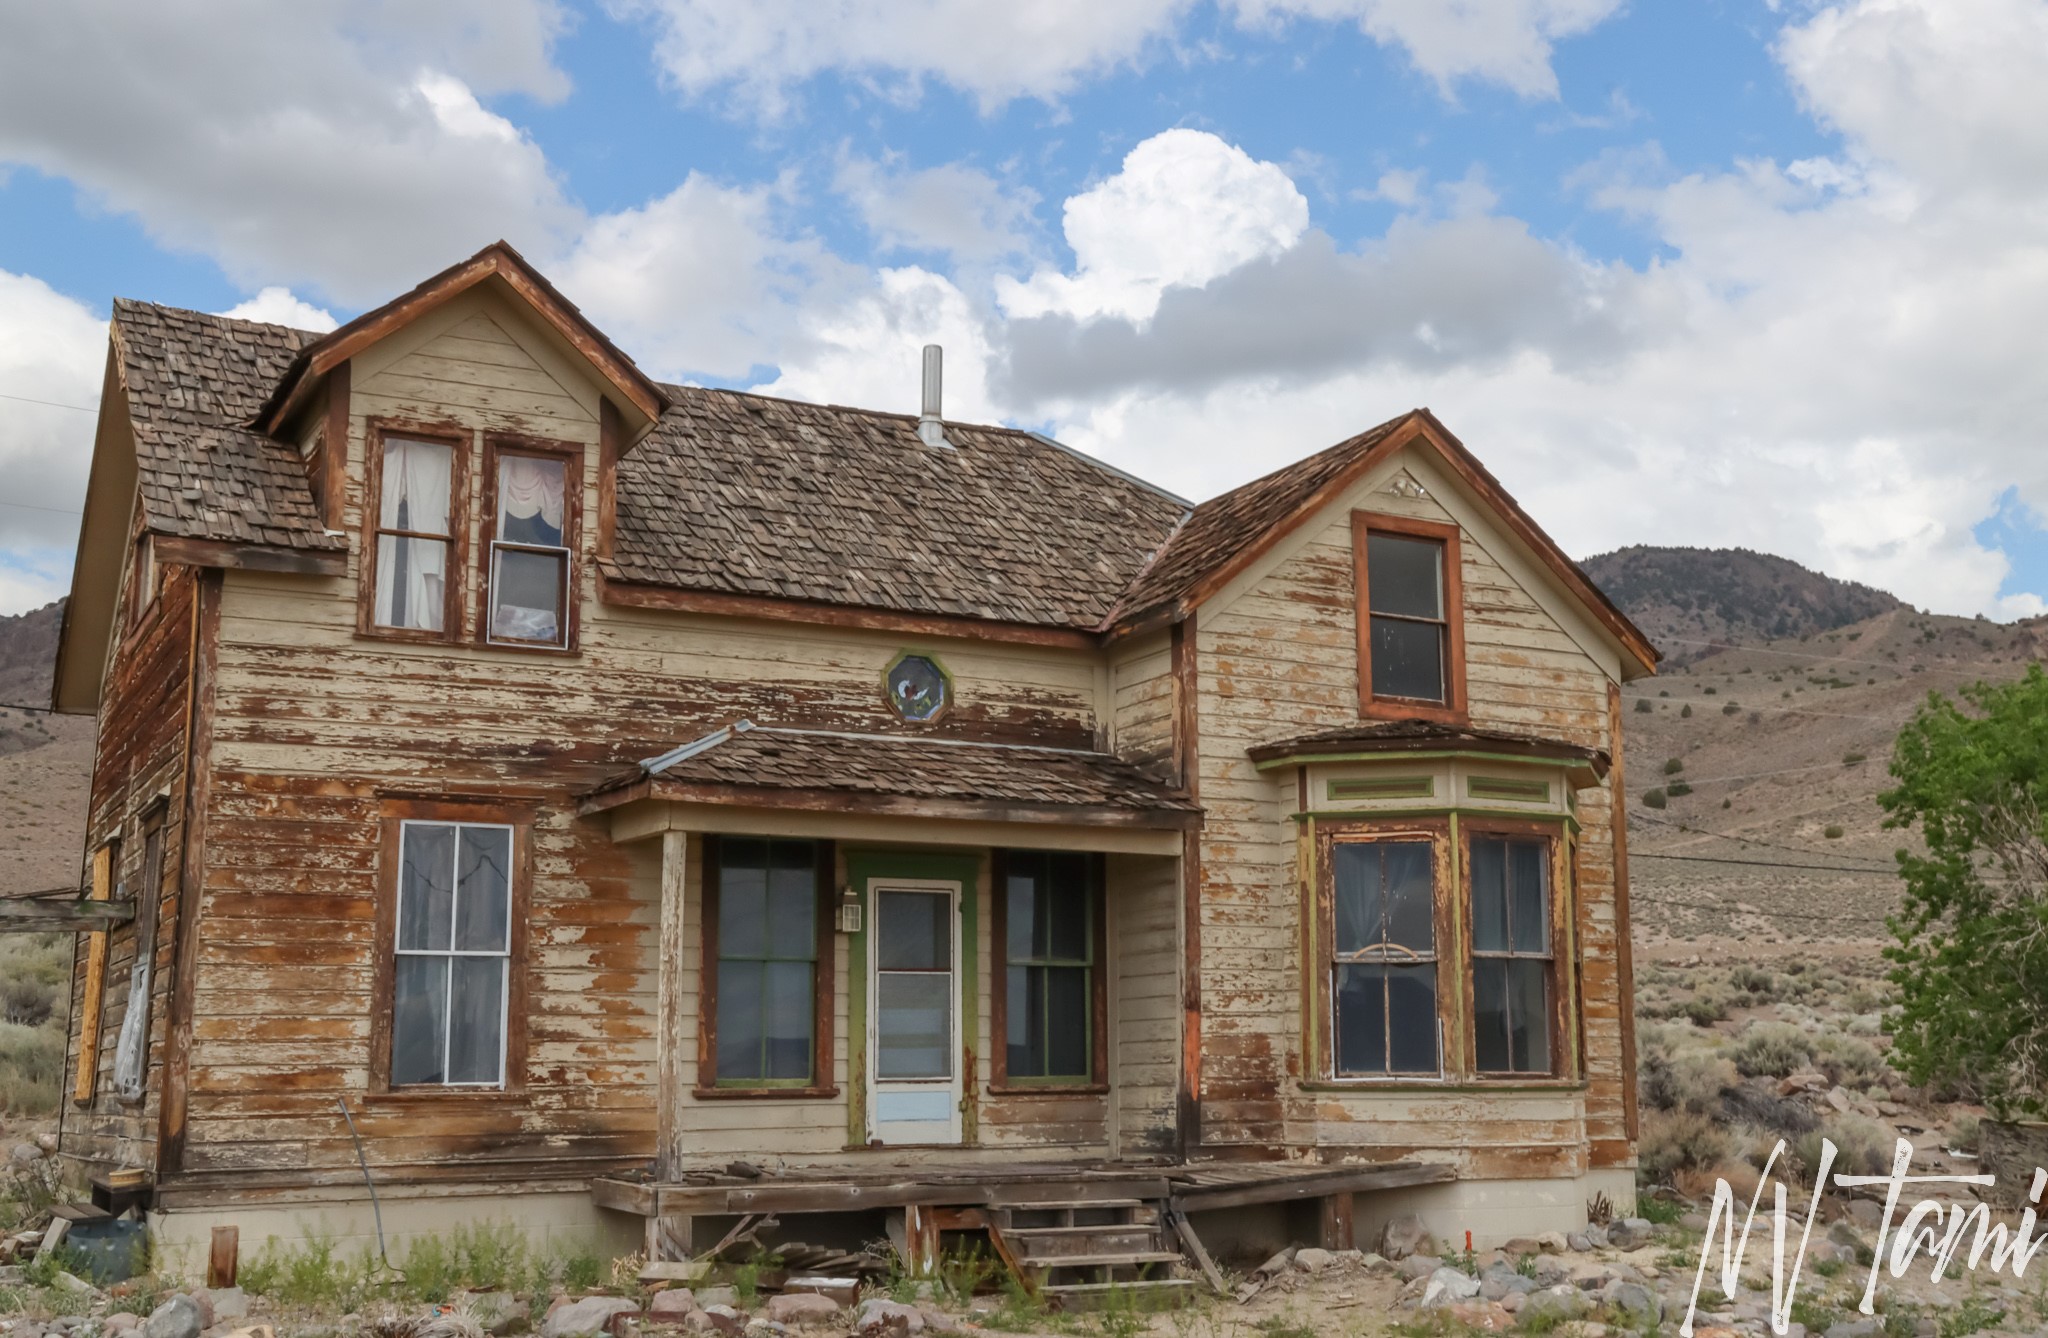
(528, 487)
(411, 573)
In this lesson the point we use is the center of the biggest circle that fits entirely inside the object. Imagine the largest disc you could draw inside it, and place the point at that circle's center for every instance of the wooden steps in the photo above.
(1089, 1253)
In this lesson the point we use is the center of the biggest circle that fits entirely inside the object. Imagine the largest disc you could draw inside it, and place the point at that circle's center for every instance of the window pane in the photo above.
(1023, 1036)
(477, 1021)
(1405, 575)
(1066, 1044)
(916, 931)
(1360, 1018)
(915, 1025)
(530, 498)
(1528, 880)
(1021, 908)
(416, 486)
(419, 1019)
(1529, 994)
(426, 886)
(1411, 1020)
(742, 899)
(1411, 909)
(1490, 1015)
(1066, 934)
(740, 1020)
(1356, 868)
(788, 1016)
(411, 576)
(793, 914)
(526, 595)
(1407, 659)
(483, 881)
(1489, 896)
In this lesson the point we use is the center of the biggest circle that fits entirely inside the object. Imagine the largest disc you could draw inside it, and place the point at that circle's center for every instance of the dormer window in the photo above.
(1411, 639)
(529, 579)
(416, 507)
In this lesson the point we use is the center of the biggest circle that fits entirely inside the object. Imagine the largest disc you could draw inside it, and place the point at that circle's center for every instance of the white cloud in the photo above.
(868, 352)
(52, 348)
(1501, 41)
(343, 151)
(953, 208)
(280, 306)
(998, 50)
(1186, 208)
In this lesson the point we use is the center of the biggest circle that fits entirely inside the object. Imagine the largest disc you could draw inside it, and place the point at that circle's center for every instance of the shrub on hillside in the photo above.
(1755, 981)
(1653, 799)
(1678, 1140)
(1772, 1050)
(1863, 1146)
(1673, 765)
(31, 1068)
(1848, 1060)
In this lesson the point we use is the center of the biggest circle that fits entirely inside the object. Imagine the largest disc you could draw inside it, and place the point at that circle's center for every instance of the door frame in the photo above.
(966, 867)
(959, 1053)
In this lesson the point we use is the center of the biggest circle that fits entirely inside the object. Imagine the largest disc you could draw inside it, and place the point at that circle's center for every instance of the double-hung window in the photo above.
(451, 962)
(415, 537)
(1512, 1009)
(529, 581)
(1382, 958)
(1410, 631)
(767, 936)
(1049, 912)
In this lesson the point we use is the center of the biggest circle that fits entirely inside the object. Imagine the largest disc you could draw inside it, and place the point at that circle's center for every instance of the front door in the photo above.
(914, 1011)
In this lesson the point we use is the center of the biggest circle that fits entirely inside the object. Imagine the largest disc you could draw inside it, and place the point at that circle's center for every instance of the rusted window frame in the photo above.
(1451, 710)
(1001, 1081)
(1437, 833)
(394, 813)
(496, 445)
(461, 441)
(1551, 834)
(823, 984)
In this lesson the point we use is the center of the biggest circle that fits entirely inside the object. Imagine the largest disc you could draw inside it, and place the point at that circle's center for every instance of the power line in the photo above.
(38, 710)
(1786, 710)
(1751, 840)
(31, 506)
(1773, 915)
(52, 404)
(1752, 863)
(1678, 778)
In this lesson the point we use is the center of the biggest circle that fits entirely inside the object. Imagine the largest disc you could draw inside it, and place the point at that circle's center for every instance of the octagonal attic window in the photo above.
(918, 689)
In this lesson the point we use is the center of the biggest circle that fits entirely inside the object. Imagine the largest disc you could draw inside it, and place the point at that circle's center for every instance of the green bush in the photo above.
(1653, 799)
(1772, 1050)
(1678, 789)
(1965, 1132)
(1864, 1147)
(1851, 759)
(1685, 712)
(31, 1067)
(1833, 831)
(1643, 706)
(1732, 708)
(1848, 1060)
(1678, 1140)
(1754, 980)
(1673, 765)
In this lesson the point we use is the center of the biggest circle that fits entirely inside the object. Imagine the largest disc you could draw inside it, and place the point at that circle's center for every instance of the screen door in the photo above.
(914, 1017)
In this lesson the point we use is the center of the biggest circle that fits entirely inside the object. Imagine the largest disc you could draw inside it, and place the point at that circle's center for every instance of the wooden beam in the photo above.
(94, 986)
(30, 915)
(1364, 1180)
(1196, 1250)
(248, 557)
(671, 1035)
(223, 1257)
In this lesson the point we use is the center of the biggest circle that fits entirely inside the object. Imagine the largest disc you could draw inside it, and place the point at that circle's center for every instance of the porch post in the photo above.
(669, 1037)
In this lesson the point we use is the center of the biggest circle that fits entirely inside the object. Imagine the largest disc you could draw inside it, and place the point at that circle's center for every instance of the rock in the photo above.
(723, 1318)
(1277, 1265)
(228, 1303)
(1551, 1306)
(1633, 1303)
(581, 1319)
(1514, 1301)
(1839, 1099)
(1856, 1328)
(1548, 1271)
(801, 1308)
(843, 1290)
(764, 1328)
(711, 1296)
(671, 1305)
(937, 1320)
(498, 1313)
(175, 1318)
(1405, 1236)
(1516, 1246)
(24, 1154)
(1844, 1234)
(1447, 1285)
(1578, 1242)
(1631, 1233)
(47, 1141)
(1803, 1082)
(202, 1298)
(1596, 1236)
(121, 1321)
(1552, 1242)
(1419, 1265)
(1865, 1213)
(1693, 1222)
(74, 1285)
(1481, 1315)
(878, 1318)
(1312, 1260)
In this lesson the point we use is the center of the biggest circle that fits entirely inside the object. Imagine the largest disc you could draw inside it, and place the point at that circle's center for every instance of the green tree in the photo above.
(1971, 960)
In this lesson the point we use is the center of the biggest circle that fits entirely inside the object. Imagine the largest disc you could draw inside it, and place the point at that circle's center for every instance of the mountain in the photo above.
(1683, 597)
(45, 761)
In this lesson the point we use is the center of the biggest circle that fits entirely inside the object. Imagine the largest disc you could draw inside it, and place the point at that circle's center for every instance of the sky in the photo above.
(1768, 273)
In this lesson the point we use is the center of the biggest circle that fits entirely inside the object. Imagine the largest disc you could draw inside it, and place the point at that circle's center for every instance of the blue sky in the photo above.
(1758, 272)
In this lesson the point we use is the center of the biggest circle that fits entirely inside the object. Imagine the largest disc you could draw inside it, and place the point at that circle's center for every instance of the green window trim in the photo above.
(1383, 787)
(1504, 787)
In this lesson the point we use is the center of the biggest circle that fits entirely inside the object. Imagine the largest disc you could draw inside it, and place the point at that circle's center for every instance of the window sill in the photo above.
(1049, 1089)
(407, 1096)
(1474, 1083)
(763, 1093)
(1402, 708)
(529, 647)
(408, 635)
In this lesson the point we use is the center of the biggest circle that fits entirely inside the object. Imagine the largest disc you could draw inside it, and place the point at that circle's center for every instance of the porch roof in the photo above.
(779, 767)
(1421, 736)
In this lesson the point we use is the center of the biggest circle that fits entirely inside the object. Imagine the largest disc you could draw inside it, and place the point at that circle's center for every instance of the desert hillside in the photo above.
(45, 762)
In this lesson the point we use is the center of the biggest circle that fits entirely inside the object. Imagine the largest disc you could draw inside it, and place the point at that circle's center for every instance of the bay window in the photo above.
(1382, 962)
(1512, 1013)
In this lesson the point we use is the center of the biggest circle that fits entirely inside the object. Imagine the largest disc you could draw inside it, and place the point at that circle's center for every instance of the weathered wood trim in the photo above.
(36, 915)
(1198, 1199)
(1452, 710)
(520, 986)
(670, 1036)
(639, 595)
(219, 553)
(841, 801)
(204, 659)
(1185, 659)
(824, 982)
(1624, 947)
(1318, 971)
(611, 446)
(85, 1078)
(1554, 834)
(461, 441)
(496, 445)
(333, 476)
(1000, 1082)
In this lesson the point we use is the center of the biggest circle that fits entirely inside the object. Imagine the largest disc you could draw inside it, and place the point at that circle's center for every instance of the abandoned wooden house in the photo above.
(583, 784)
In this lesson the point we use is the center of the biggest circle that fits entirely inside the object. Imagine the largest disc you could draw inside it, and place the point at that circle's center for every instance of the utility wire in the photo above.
(1769, 915)
(31, 506)
(52, 404)
(1752, 863)
(38, 710)
(1799, 654)
(1752, 840)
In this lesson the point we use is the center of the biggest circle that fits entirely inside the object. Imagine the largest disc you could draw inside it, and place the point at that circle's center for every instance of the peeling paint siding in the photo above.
(1278, 657)
(1144, 903)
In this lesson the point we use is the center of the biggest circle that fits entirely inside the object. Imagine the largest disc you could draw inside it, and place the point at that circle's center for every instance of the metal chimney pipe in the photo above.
(930, 430)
